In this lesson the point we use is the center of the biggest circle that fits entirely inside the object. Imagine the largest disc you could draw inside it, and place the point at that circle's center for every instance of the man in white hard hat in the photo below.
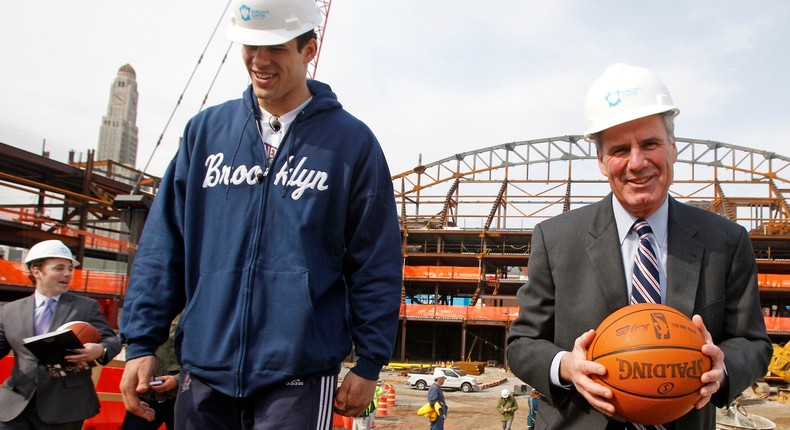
(590, 262)
(32, 398)
(507, 407)
(275, 230)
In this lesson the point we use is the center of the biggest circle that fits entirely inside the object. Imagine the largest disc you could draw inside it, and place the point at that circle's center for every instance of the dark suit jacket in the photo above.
(576, 279)
(67, 399)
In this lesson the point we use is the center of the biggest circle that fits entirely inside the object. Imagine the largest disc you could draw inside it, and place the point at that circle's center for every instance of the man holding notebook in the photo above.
(31, 398)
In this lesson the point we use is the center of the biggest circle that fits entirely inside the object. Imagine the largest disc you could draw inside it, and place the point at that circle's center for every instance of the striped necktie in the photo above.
(645, 285)
(632, 426)
(44, 318)
(645, 288)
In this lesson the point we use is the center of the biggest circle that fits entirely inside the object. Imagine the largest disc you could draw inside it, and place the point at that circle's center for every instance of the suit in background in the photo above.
(30, 397)
(71, 398)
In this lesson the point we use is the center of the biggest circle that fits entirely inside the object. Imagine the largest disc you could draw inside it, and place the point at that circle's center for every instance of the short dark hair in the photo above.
(34, 264)
(303, 39)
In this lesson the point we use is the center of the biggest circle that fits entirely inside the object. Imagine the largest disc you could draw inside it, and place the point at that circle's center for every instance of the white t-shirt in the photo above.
(267, 125)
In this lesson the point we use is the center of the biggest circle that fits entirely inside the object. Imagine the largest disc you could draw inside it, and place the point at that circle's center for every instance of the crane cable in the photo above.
(225, 57)
(181, 97)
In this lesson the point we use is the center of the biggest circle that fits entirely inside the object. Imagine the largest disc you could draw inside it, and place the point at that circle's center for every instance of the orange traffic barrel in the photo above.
(390, 398)
(381, 409)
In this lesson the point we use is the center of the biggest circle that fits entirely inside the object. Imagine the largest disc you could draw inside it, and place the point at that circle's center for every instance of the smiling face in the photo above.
(53, 276)
(278, 74)
(637, 157)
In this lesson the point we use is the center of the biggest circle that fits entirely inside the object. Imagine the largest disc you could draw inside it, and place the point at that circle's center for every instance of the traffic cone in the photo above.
(381, 409)
(390, 399)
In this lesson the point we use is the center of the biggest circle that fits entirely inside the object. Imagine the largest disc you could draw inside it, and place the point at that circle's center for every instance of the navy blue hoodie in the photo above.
(277, 275)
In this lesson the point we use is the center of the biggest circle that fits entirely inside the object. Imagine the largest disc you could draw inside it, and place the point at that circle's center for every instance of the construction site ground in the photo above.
(477, 410)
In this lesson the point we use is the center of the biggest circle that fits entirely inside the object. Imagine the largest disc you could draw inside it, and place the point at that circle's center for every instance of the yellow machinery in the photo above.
(780, 362)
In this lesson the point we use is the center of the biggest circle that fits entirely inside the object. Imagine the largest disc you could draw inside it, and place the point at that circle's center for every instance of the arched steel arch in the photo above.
(515, 185)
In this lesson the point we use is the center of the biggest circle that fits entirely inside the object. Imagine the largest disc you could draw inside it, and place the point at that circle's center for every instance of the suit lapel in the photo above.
(603, 250)
(684, 259)
(65, 304)
(28, 314)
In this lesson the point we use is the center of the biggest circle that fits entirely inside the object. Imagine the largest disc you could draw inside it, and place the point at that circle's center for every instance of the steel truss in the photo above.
(513, 186)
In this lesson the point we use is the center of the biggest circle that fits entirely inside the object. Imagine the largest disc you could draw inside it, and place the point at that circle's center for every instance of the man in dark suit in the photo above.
(581, 268)
(30, 398)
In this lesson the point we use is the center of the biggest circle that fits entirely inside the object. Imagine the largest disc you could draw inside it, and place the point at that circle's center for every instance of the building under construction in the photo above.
(466, 224)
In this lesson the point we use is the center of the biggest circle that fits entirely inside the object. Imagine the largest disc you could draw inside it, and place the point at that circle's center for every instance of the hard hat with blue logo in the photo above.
(49, 249)
(624, 93)
(271, 22)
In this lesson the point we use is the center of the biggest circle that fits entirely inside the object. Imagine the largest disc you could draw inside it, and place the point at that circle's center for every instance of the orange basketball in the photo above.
(654, 362)
(85, 332)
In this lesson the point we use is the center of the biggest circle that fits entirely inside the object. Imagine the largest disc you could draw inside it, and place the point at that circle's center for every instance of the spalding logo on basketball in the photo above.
(654, 362)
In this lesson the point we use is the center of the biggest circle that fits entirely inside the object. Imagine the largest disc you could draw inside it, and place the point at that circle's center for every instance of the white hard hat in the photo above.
(505, 393)
(50, 249)
(271, 22)
(438, 373)
(624, 93)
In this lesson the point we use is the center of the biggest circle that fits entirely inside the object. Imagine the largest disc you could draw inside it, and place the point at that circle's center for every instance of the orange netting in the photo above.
(777, 324)
(441, 272)
(769, 280)
(13, 273)
(448, 312)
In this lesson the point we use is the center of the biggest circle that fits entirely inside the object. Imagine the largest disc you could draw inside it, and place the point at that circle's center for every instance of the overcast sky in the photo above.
(430, 77)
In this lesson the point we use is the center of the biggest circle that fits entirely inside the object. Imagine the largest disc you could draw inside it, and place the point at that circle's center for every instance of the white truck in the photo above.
(456, 379)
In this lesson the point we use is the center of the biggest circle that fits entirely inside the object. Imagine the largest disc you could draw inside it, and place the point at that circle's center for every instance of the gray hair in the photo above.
(669, 125)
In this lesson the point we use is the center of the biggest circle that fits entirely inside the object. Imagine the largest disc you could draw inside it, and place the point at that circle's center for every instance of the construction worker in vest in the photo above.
(365, 421)
(533, 402)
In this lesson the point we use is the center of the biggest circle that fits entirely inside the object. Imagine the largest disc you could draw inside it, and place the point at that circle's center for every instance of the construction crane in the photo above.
(323, 6)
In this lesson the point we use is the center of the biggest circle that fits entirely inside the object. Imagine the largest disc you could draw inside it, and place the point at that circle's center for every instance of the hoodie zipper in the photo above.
(260, 220)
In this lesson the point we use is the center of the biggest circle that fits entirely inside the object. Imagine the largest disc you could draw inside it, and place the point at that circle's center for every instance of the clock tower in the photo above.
(118, 134)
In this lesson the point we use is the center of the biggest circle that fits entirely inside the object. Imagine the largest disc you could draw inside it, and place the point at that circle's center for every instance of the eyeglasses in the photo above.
(275, 124)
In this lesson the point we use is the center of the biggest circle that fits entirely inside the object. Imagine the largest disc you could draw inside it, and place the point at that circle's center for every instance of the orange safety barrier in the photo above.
(764, 280)
(770, 280)
(337, 421)
(110, 417)
(13, 273)
(441, 272)
(107, 380)
(6, 364)
(777, 324)
(341, 422)
(98, 282)
(466, 272)
(449, 312)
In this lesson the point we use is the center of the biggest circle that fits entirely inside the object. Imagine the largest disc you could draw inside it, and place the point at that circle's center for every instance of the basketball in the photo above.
(85, 332)
(653, 360)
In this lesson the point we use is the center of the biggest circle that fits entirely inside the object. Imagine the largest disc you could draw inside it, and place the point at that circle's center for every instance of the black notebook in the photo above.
(51, 348)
